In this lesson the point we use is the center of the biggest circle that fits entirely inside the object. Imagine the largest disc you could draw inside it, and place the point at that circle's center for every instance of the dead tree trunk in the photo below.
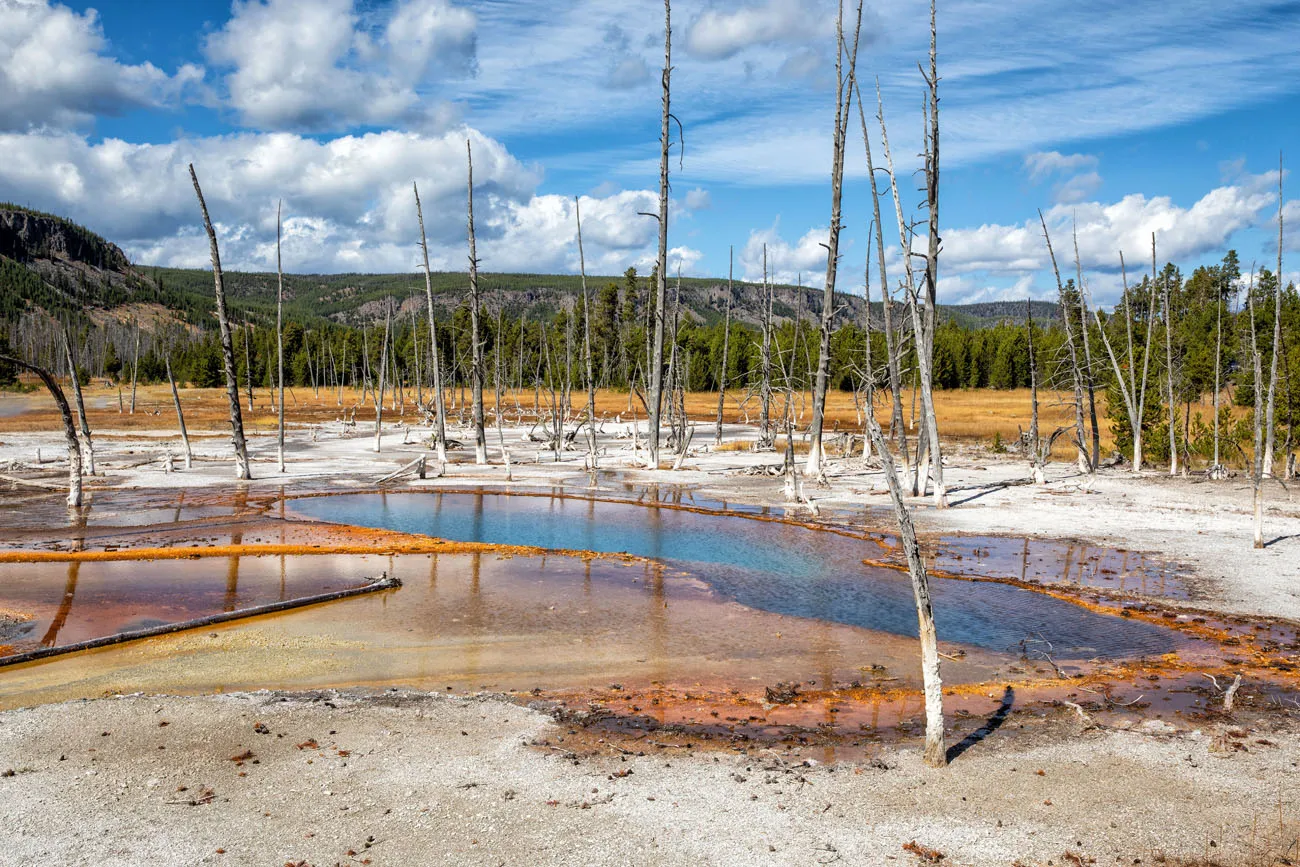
(1269, 429)
(476, 342)
(932, 273)
(440, 422)
(180, 414)
(655, 398)
(1089, 378)
(726, 344)
(1037, 458)
(1085, 462)
(1216, 470)
(69, 427)
(1257, 474)
(86, 441)
(135, 365)
(843, 99)
(279, 341)
(765, 435)
(921, 330)
(1169, 365)
(936, 754)
(1133, 394)
(383, 373)
(586, 340)
(886, 304)
(242, 469)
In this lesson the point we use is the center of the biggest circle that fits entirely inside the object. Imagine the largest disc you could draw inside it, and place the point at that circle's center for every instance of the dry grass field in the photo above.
(970, 416)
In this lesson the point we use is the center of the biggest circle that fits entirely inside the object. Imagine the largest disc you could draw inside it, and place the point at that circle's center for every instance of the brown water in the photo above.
(470, 621)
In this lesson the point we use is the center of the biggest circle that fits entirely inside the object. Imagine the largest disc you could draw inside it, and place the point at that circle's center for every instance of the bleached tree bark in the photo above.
(1269, 428)
(1036, 456)
(726, 345)
(135, 365)
(440, 422)
(1218, 368)
(476, 341)
(1089, 378)
(242, 469)
(1169, 364)
(383, 373)
(1133, 392)
(843, 101)
(932, 272)
(180, 414)
(279, 341)
(922, 330)
(1084, 461)
(86, 441)
(1257, 474)
(586, 339)
(655, 398)
(886, 302)
(936, 754)
(765, 435)
(69, 427)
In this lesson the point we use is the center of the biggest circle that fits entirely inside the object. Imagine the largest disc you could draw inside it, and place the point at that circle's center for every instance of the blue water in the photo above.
(770, 566)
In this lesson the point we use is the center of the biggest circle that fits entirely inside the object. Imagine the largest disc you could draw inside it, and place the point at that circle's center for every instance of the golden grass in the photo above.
(976, 415)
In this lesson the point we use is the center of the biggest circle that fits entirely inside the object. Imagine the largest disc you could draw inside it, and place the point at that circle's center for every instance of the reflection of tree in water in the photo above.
(77, 533)
(65, 606)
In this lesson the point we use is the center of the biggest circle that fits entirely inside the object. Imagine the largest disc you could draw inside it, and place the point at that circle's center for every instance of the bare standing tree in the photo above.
(86, 441)
(656, 378)
(476, 340)
(843, 101)
(135, 365)
(922, 328)
(242, 469)
(1036, 456)
(1257, 471)
(440, 408)
(586, 340)
(279, 340)
(1132, 389)
(1269, 429)
(936, 754)
(69, 426)
(765, 434)
(1084, 461)
(886, 303)
(383, 372)
(180, 414)
(1090, 380)
(726, 344)
(1169, 362)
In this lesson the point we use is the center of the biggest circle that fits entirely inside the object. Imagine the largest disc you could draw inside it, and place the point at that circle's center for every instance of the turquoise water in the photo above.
(770, 566)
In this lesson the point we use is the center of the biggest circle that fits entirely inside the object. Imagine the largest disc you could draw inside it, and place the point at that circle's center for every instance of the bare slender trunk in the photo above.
(383, 374)
(135, 365)
(655, 398)
(242, 468)
(476, 343)
(1037, 457)
(1257, 474)
(69, 427)
(1084, 460)
(1218, 367)
(86, 441)
(279, 341)
(180, 414)
(936, 754)
(765, 435)
(1269, 429)
(586, 340)
(440, 422)
(1169, 366)
(1089, 379)
(843, 98)
(726, 344)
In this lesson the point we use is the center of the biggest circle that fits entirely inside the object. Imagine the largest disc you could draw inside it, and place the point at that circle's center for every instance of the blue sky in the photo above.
(1120, 118)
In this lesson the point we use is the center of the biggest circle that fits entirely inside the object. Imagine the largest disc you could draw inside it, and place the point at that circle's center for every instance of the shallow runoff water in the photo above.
(770, 566)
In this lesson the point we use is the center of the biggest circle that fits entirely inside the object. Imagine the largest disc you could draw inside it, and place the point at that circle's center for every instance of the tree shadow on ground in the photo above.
(992, 724)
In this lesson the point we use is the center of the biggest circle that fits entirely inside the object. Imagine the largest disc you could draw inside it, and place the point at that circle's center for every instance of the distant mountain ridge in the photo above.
(53, 264)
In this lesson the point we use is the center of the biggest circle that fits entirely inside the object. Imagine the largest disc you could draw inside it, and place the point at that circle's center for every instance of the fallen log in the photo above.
(384, 582)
